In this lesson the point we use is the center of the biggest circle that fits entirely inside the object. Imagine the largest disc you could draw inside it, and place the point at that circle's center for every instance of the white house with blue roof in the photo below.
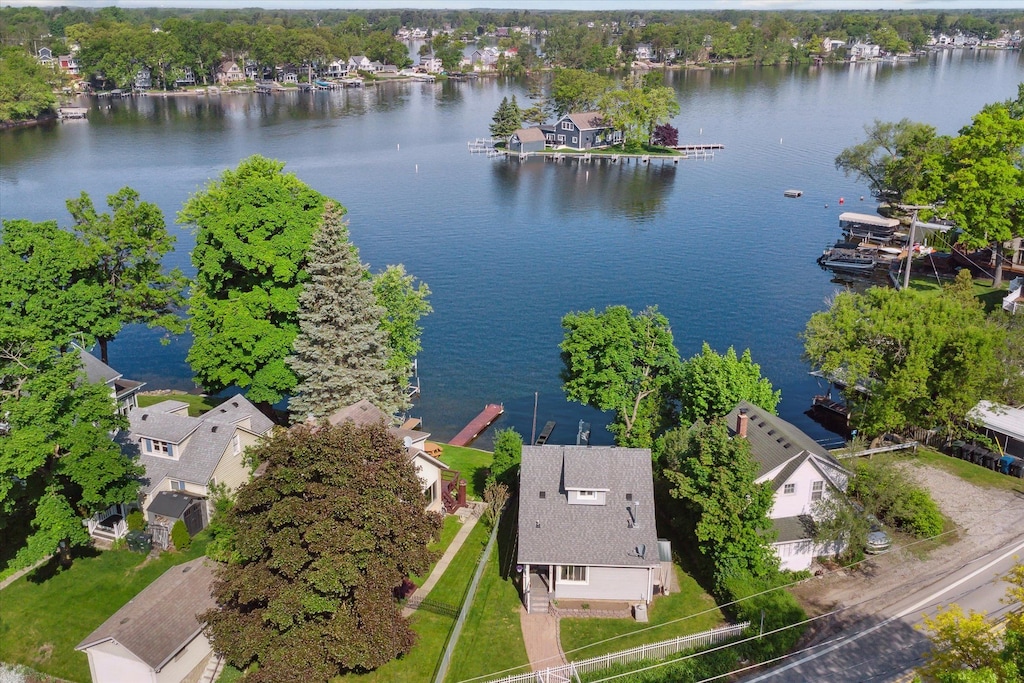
(801, 472)
(586, 525)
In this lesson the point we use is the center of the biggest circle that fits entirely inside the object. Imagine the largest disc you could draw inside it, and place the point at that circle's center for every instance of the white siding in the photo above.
(608, 583)
(112, 663)
(799, 502)
(798, 555)
(430, 476)
(184, 662)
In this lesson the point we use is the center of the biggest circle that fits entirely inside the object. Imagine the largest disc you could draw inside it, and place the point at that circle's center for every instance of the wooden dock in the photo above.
(545, 433)
(487, 417)
(685, 152)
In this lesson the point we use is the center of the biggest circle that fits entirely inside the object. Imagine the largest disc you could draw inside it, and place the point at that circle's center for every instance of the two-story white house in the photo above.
(800, 470)
(359, 63)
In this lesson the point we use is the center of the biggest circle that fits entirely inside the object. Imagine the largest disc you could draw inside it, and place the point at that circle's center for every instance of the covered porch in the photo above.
(110, 524)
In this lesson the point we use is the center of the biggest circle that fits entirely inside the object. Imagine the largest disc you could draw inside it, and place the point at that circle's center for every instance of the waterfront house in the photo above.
(860, 51)
(831, 44)
(157, 636)
(143, 79)
(287, 73)
(185, 457)
(229, 72)
(69, 64)
(359, 63)
(644, 52)
(527, 140)
(337, 68)
(44, 55)
(124, 392)
(252, 71)
(583, 131)
(441, 489)
(586, 525)
(186, 77)
(485, 59)
(800, 471)
(431, 64)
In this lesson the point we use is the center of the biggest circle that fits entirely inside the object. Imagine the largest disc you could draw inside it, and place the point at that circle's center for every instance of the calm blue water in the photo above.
(509, 247)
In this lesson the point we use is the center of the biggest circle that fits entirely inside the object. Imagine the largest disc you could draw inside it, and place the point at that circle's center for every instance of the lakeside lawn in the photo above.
(688, 610)
(47, 612)
(197, 405)
(991, 297)
(432, 629)
(471, 463)
(492, 638)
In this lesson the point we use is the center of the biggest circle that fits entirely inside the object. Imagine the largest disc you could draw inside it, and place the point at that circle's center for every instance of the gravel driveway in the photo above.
(987, 519)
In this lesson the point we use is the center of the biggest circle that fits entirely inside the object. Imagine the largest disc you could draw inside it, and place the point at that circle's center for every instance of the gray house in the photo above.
(583, 131)
(586, 525)
(527, 140)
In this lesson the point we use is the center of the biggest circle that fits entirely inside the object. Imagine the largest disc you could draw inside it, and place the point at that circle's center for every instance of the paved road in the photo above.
(884, 647)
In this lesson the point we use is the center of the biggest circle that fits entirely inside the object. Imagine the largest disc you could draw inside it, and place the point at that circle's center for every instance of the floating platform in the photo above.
(487, 417)
(793, 194)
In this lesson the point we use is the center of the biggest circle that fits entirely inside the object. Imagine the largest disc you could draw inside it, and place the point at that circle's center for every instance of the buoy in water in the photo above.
(398, 147)
(841, 201)
(826, 206)
(862, 197)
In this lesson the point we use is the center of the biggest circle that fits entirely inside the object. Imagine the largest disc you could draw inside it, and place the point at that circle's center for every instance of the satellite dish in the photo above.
(407, 441)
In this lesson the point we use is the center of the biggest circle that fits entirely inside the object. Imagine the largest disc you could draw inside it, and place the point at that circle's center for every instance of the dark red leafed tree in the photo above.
(665, 135)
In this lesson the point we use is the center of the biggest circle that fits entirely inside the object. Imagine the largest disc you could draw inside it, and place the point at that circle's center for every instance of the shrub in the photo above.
(916, 512)
(180, 536)
(136, 521)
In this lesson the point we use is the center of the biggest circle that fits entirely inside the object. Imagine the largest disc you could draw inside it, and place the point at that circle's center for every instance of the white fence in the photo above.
(651, 651)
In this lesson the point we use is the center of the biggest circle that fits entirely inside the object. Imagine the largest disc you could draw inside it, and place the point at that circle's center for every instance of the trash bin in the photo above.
(139, 541)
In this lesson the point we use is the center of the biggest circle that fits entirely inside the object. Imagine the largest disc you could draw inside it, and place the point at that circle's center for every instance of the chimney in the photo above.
(741, 423)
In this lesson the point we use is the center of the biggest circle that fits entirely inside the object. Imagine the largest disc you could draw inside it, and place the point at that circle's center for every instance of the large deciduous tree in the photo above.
(926, 361)
(711, 385)
(24, 90)
(713, 478)
(58, 463)
(254, 227)
(894, 159)
(618, 361)
(983, 182)
(341, 352)
(637, 109)
(125, 250)
(577, 90)
(405, 301)
(323, 538)
(48, 285)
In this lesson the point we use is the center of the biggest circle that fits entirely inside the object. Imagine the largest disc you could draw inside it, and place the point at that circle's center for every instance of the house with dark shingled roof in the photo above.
(582, 130)
(586, 525)
(157, 637)
(801, 472)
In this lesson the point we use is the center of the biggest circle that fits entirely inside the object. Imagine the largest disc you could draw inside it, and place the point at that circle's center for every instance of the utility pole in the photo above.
(910, 239)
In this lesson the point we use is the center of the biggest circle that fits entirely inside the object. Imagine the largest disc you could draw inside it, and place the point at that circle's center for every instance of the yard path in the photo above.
(540, 634)
(442, 564)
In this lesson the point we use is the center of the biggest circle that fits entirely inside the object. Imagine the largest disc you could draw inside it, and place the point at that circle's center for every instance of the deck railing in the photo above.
(651, 651)
(118, 529)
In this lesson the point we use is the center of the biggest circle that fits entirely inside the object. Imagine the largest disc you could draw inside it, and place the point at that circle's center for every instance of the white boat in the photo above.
(838, 258)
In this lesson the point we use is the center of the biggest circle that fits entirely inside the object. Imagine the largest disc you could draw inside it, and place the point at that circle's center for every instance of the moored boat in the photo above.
(845, 258)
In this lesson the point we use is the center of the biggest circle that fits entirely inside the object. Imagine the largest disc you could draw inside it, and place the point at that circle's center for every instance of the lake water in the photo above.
(507, 247)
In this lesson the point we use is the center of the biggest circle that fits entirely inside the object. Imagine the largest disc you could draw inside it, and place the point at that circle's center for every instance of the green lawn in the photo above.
(968, 471)
(991, 297)
(472, 464)
(45, 614)
(492, 639)
(578, 634)
(197, 405)
(448, 531)
(432, 629)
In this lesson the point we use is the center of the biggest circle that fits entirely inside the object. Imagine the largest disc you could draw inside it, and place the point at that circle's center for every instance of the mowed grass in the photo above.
(472, 464)
(688, 610)
(197, 405)
(492, 639)
(432, 629)
(451, 527)
(44, 614)
(968, 471)
(991, 297)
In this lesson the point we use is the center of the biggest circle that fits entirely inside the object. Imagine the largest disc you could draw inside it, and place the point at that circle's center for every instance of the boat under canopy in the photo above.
(849, 218)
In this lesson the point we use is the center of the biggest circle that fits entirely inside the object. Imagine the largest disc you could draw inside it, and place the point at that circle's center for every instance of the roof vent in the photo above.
(234, 403)
(771, 432)
(538, 523)
(125, 620)
(629, 496)
(543, 495)
(213, 428)
(144, 416)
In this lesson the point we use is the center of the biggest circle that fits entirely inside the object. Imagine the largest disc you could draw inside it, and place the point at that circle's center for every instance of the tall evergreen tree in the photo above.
(507, 119)
(341, 352)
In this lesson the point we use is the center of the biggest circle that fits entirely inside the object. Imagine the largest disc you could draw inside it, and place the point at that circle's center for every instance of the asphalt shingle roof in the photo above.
(160, 620)
(773, 441)
(797, 528)
(588, 120)
(553, 532)
(534, 134)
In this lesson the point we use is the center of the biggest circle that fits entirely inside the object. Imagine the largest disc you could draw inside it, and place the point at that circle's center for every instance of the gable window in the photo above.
(566, 125)
(587, 495)
(568, 573)
(177, 485)
(789, 489)
(817, 490)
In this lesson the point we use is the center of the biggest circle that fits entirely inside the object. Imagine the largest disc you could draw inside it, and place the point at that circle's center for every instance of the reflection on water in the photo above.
(508, 247)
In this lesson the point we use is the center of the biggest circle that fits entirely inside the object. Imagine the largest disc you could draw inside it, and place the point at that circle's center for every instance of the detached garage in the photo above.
(527, 140)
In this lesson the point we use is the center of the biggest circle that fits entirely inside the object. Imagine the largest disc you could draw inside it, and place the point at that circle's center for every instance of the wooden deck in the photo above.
(487, 417)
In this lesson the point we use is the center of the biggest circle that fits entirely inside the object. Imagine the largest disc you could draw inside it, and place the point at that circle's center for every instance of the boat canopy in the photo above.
(867, 219)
